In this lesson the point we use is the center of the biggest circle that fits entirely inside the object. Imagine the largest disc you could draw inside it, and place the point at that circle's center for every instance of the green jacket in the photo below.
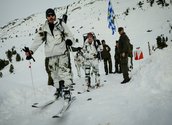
(106, 52)
(124, 47)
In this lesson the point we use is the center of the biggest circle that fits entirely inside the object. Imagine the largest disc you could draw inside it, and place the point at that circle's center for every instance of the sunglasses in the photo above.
(50, 15)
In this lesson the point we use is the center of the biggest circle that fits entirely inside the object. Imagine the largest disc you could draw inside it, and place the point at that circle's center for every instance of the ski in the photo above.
(64, 108)
(45, 104)
(81, 92)
(94, 87)
(91, 88)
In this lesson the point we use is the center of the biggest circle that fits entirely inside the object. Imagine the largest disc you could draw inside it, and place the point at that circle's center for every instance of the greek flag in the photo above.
(110, 18)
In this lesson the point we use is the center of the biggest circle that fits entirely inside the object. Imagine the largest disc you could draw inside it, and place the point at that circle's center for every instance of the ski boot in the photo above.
(97, 80)
(89, 84)
(67, 93)
(59, 91)
(97, 85)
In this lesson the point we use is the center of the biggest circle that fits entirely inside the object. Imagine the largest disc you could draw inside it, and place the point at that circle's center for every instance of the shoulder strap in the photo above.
(96, 44)
(45, 37)
(60, 27)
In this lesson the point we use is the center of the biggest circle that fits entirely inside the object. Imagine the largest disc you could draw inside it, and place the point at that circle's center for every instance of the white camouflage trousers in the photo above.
(91, 63)
(79, 63)
(59, 67)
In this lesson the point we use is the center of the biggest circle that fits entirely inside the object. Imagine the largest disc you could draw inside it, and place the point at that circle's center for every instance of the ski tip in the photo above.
(57, 116)
(88, 90)
(74, 97)
(34, 106)
(35, 103)
(89, 99)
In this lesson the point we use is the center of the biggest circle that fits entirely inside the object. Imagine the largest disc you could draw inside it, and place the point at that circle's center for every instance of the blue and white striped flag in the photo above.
(110, 18)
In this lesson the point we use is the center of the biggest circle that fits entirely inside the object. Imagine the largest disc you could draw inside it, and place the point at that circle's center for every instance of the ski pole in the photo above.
(30, 67)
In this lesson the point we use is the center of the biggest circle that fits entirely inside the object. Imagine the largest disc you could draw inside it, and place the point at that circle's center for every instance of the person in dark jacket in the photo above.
(106, 56)
(117, 59)
(124, 50)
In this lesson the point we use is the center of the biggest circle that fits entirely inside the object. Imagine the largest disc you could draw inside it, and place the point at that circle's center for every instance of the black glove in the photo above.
(77, 40)
(29, 57)
(98, 42)
(79, 48)
(28, 53)
(95, 55)
(68, 42)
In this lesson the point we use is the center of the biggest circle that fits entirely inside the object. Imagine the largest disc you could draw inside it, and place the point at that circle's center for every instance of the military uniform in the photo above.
(91, 61)
(117, 60)
(106, 56)
(55, 51)
(124, 50)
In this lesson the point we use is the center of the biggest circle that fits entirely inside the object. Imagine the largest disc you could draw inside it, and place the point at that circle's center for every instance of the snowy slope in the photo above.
(146, 100)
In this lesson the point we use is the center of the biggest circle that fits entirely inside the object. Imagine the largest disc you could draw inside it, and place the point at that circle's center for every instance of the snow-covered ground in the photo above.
(145, 100)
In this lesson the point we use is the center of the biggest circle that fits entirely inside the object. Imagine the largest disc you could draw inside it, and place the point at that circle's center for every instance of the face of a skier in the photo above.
(90, 39)
(51, 18)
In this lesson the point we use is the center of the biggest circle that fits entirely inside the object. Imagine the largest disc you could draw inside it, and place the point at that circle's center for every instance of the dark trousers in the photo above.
(124, 68)
(117, 66)
(108, 62)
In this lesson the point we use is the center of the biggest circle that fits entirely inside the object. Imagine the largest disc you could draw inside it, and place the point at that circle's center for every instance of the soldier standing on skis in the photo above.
(91, 59)
(58, 39)
(124, 50)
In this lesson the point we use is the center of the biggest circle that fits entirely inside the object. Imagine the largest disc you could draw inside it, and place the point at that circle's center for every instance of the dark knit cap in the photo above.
(50, 11)
(120, 29)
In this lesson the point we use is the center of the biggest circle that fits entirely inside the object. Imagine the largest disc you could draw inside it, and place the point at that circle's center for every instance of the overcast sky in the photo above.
(13, 9)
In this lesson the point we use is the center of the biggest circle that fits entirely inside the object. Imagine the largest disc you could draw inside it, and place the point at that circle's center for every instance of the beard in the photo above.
(51, 20)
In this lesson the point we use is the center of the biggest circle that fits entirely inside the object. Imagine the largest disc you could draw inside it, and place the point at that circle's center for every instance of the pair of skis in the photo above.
(45, 104)
(67, 104)
(65, 107)
(91, 88)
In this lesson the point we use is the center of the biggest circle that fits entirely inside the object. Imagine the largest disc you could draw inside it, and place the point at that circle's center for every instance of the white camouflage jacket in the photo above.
(90, 51)
(54, 45)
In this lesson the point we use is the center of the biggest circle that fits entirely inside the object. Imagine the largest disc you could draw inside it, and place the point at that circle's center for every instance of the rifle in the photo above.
(64, 17)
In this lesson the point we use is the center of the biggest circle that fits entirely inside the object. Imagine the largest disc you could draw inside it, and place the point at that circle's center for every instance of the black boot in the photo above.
(125, 81)
(67, 93)
(59, 91)
(88, 83)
